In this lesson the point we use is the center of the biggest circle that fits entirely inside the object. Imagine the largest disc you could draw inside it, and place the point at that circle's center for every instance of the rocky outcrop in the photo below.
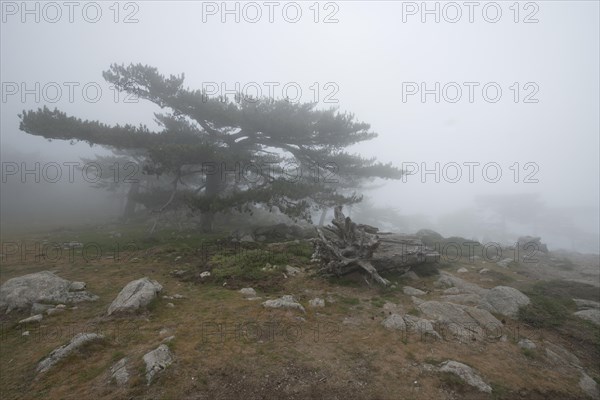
(462, 321)
(41, 287)
(156, 361)
(135, 296)
(467, 374)
(394, 322)
(592, 315)
(504, 300)
(62, 352)
(119, 372)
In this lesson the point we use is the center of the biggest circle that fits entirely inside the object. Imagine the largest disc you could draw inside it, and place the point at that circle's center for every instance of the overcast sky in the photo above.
(370, 58)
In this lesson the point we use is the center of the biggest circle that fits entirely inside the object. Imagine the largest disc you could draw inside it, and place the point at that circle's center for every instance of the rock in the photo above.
(591, 315)
(416, 301)
(462, 321)
(54, 311)
(156, 361)
(26, 333)
(448, 280)
(421, 326)
(410, 275)
(504, 263)
(163, 332)
(504, 300)
(168, 339)
(119, 372)
(292, 271)
(583, 304)
(466, 298)
(589, 386)
(60, 306)
(467, 374)
(40, 287)
(316, 303)
(526, 344)
(135, 296)
(531, 245)
(77, 286)
(170, 305)
(411, 291)
(35, 318)
(286, 301)
(462, 270)
(179, 296)
(484, 270)
(561, 356)
(452, 290)
(64, 351)
(204, 274)
(249, 292)
(395, 322)
(247, 239)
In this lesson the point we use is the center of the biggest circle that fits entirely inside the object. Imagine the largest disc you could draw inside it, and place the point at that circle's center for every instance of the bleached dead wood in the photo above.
(346, 247)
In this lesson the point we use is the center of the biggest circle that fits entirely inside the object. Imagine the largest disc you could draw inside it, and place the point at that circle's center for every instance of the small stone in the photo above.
(77, 286)
(168, 339)
(411, 291)
(248, 292)
(35, 318)
(170, 305)
(316, 302)
(526, 344)
(26, 333)
(205, 274)
(462, 270)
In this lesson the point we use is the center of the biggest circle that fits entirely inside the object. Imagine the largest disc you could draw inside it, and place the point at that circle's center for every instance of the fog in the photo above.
(520, 157)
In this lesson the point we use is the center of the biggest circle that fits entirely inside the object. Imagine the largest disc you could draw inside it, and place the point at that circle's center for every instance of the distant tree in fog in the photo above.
(214, 154)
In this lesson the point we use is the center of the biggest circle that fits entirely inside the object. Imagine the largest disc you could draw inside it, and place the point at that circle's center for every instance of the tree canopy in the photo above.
(214, 154)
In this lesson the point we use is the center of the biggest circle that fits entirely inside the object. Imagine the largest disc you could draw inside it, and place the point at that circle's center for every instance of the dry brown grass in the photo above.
(320, 357)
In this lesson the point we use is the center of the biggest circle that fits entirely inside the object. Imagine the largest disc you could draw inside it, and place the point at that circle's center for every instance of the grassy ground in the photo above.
(228, 347)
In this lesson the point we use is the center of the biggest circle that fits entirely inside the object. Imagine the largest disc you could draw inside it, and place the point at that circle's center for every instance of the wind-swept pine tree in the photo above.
(220, 154)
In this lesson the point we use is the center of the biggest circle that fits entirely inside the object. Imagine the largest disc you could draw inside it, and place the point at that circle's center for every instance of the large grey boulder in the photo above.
(394, 322)
(467, 374)
(592, 315)
(41, 287)
(135, 296)
(462, 321)
(157, 360)
(504, 300)
(64, 351)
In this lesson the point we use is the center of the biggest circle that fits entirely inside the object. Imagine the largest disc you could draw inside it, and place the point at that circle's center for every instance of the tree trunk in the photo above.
(129, 210)
(323, 215)
(213, 188)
